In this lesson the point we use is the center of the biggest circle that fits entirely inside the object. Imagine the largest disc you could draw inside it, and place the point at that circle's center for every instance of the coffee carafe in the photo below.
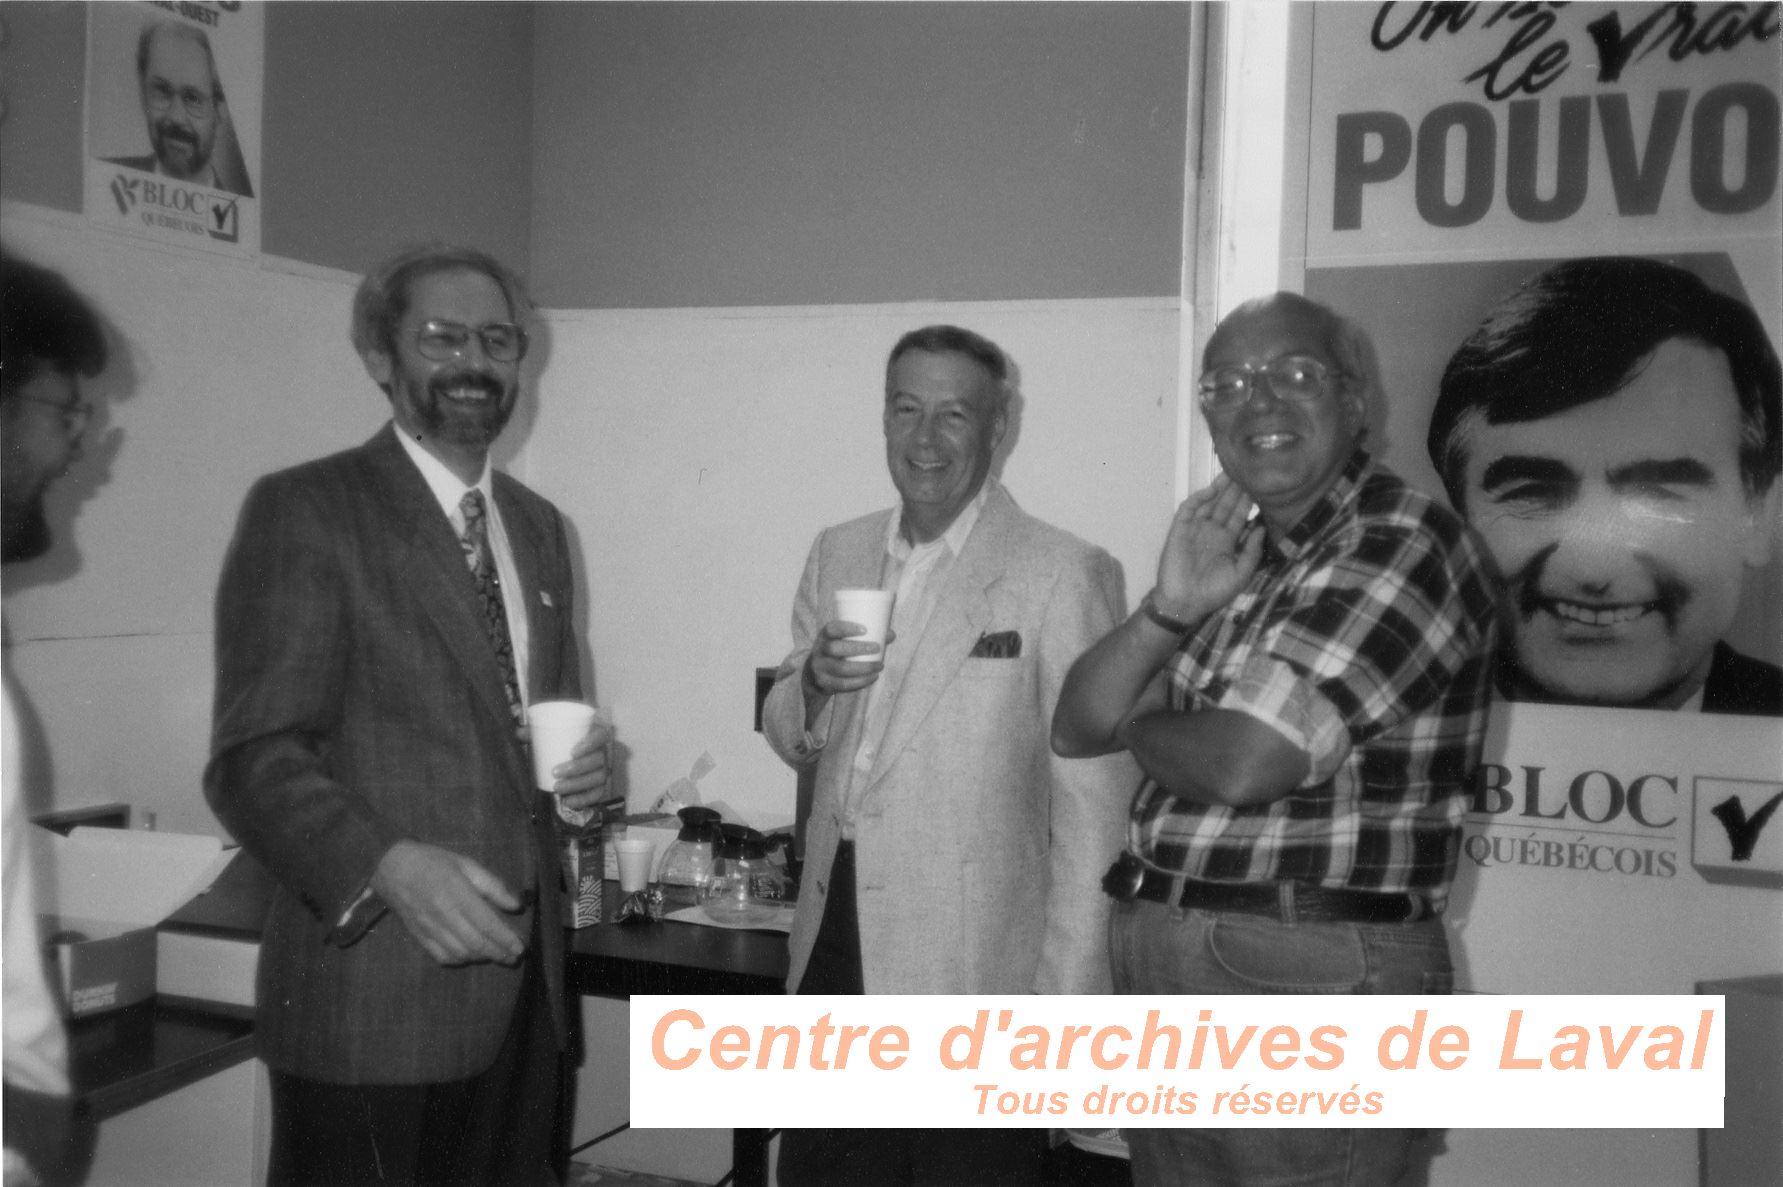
(687, 863)
(744, 886)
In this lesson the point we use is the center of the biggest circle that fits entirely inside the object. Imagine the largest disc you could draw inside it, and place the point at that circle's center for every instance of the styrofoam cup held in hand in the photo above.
(870, 608)
(635, 858)
(556, 727)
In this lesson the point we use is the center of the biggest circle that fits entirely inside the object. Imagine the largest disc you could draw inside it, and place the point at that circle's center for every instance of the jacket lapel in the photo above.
(428, 554)
(962, 612)
(526, 541)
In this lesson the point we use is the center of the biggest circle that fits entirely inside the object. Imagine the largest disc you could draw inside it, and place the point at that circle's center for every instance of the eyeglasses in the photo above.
(1297, 377)
(198, 104)
(502, 341)
(76, 416)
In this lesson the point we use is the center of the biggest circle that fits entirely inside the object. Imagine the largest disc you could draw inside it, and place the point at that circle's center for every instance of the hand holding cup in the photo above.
(849, 651)
(572, 752)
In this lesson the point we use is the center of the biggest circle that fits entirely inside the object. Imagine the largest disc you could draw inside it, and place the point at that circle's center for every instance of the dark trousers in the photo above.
(499, 1126)
(900, 1157)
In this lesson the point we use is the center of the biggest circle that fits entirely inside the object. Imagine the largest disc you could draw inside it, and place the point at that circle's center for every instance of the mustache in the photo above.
(1670, 595)
(169, 130)
(482, 381)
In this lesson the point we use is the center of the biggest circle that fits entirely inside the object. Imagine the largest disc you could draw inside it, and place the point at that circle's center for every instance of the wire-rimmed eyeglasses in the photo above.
(1297, 377)
(197, 103)
(439, 341)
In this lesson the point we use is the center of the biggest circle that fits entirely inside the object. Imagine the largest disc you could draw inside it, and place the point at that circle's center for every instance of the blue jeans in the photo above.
(1160, 949)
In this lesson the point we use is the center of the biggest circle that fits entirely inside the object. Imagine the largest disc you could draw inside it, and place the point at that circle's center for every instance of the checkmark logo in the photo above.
(1742, 830)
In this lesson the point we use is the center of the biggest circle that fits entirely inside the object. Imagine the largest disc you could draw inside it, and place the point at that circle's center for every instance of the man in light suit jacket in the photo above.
(383, 617)
(948, 850)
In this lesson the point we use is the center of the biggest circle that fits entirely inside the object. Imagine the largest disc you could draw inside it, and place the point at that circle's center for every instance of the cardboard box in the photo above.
(107, 889)
(582, 869)
(209, 949)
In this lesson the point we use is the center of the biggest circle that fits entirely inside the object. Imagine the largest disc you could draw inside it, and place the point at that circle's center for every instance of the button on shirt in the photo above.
(450, 491)
(915, 572)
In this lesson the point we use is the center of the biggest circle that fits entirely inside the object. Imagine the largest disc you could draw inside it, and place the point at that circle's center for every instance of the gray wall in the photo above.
(705, 155)
(385, 123)
(389, 123)
(639, 155)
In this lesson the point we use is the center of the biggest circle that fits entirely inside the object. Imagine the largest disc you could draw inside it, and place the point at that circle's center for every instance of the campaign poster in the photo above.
(1503, 195)
(173, 134)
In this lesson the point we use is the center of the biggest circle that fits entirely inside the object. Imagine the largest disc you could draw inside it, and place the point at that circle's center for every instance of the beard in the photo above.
(181, 151)
(24, 531)
(477, 425)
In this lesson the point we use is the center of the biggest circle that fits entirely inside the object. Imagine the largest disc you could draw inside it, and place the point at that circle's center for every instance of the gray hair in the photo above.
(383, 296)
(943, 339)
(1345, 345)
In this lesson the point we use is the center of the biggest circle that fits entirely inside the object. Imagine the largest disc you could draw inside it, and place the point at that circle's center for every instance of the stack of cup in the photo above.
(636, 855)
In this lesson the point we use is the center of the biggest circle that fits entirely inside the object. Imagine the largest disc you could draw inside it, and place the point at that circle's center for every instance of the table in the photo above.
(615, 960)
(618, 960)
(124, 1058)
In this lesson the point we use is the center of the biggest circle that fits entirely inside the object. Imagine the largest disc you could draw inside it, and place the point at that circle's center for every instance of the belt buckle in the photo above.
(1124, 878)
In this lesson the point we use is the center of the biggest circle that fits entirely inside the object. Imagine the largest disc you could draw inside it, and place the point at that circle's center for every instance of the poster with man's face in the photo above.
(173, 122)
(1562, 228)
(1637, 540)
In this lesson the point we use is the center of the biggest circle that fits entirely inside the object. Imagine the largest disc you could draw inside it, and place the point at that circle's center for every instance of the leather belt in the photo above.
(1288, 902)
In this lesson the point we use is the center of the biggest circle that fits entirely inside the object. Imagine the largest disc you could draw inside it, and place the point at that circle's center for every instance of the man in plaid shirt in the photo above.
(1306, 693)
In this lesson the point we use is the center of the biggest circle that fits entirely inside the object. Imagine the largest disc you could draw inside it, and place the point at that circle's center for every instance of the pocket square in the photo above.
(546, 598)
(997, 645)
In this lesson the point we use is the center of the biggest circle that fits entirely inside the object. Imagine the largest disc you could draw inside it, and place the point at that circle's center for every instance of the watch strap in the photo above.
(1148, 605)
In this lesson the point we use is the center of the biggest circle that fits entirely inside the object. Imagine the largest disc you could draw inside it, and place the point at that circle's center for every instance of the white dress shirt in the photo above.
(914, 572)
(450, 491)
(36, 1044)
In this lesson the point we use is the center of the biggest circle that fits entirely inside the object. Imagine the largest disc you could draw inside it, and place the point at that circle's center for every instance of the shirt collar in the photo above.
(445, 485)
(955, 535)
(1331, 504)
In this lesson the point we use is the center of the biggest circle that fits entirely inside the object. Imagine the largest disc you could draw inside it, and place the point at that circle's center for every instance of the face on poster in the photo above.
(173, 122)
(1613, 440)
(1532, 210)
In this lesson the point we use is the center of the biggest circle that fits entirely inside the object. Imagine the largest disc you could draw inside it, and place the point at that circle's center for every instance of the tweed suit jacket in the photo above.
(979, 853)
(359, 703)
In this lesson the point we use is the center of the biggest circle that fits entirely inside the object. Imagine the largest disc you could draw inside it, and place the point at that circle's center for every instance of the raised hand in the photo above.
(1210, 552)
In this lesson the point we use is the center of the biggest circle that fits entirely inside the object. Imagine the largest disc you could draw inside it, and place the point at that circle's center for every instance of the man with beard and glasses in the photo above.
(182, 102)
(383, 618)
(1306, 692)
(49, 338)
(1612, 431)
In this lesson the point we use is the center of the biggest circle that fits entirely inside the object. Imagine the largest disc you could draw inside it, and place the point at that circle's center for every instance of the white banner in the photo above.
(960, 1061)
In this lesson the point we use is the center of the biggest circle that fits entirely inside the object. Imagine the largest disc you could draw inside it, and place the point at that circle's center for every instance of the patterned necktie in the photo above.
(475, 542)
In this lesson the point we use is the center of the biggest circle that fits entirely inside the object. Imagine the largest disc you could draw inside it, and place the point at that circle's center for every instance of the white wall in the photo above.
(222, 371)
(696, 452)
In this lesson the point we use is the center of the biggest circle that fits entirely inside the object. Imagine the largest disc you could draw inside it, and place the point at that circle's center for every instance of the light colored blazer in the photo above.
(979, 853)
(359, 703)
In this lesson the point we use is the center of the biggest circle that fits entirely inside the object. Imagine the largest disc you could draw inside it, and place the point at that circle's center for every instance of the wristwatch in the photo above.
(1149, 606)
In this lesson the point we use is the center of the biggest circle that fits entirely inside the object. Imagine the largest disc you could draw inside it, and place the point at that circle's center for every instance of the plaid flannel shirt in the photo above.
(1365, 638)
